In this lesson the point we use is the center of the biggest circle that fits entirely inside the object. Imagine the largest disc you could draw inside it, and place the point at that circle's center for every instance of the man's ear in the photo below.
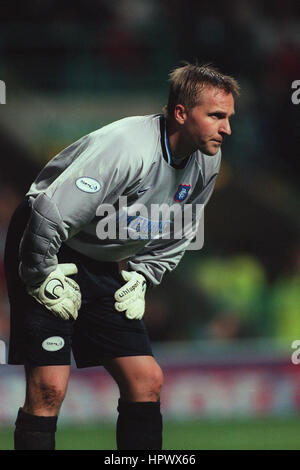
(180, 114)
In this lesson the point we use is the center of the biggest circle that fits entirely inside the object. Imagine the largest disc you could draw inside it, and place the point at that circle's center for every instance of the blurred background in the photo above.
(223, 323)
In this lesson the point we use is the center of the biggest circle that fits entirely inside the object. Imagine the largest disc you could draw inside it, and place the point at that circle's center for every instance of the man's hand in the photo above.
(131, 296)
(58, 293)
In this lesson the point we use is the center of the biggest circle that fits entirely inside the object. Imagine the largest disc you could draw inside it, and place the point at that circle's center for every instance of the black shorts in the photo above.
(39, 338)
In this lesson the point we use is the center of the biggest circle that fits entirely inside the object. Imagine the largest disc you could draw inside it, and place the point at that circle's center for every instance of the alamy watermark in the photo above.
(296, 354)
(152, 222)
(2, 92)
(2, 352)
(296, 94)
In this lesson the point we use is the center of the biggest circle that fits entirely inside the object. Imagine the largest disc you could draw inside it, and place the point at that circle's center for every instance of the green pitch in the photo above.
(255, 434)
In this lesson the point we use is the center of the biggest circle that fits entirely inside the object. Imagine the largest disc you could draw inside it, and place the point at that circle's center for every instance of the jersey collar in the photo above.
(165, 145)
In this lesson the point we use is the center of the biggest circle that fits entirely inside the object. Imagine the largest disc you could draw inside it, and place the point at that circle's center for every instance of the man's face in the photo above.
(207, 124)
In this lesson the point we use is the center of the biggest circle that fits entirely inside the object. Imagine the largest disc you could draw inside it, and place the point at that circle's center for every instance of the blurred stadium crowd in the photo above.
(245, 281)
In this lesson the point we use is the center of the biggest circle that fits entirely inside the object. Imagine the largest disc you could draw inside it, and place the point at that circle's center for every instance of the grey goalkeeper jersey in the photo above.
(76, 200)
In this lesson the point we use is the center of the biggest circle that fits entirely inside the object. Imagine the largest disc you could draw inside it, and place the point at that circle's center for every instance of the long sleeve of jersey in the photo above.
(66, 195)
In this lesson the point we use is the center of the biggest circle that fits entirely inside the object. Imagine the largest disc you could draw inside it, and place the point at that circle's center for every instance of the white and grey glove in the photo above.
(131, 297)
(59, 293)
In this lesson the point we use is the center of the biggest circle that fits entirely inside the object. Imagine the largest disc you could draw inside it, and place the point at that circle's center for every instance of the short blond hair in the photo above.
(188, 81)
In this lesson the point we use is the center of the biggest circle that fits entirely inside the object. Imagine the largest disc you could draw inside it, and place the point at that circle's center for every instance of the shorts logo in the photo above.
(88, 185)
(54, 343)
(182, 192)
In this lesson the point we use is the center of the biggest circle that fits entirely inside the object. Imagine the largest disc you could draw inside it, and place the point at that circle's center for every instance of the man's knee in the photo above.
(44, 392)
(50, 395)
(155, 380)
(147, 383)
(44, 398)
(139, 378)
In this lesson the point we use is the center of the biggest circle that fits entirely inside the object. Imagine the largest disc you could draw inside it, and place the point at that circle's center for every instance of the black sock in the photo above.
(139, 426)
(34, 432)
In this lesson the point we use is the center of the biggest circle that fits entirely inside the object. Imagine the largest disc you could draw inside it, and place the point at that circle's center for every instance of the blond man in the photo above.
(71, 290)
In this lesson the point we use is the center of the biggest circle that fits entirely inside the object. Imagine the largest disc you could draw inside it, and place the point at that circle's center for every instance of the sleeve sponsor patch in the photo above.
(87, 184)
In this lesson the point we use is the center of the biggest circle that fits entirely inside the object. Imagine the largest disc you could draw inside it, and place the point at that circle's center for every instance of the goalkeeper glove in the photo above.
(131, 296)
(58, 293)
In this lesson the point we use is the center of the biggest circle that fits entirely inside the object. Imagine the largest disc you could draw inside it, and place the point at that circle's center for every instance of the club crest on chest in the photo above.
(182, 192)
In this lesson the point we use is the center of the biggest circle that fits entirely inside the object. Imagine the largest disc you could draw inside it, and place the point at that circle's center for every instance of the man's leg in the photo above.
(36, 421)
(139, 424)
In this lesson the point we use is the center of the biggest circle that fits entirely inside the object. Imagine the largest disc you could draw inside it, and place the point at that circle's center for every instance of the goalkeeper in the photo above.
(73, 291)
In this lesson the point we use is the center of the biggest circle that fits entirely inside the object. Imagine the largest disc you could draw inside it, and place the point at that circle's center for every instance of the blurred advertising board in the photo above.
(195, 386)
